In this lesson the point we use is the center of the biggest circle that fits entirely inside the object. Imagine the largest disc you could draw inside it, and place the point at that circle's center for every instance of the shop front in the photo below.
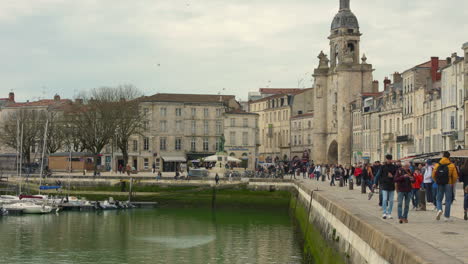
(172, 162)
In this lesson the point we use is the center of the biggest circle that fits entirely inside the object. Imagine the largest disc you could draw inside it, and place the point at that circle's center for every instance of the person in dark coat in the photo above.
(386, 180)
(217, 179)
(404, 179)
(464, 174)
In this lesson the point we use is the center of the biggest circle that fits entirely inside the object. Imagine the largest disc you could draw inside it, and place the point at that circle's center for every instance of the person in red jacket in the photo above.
(357, 174)
(418, 179)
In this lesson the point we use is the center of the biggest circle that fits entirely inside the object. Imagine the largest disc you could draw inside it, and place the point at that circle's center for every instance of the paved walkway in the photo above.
(449, 237)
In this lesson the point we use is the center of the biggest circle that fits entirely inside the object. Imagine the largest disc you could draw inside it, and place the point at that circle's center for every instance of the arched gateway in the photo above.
(333, 153)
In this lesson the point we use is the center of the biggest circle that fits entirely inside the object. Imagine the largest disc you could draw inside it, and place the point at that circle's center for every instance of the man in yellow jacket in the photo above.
(445, 175)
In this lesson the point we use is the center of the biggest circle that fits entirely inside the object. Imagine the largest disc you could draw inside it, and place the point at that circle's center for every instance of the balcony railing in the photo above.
(405, 138)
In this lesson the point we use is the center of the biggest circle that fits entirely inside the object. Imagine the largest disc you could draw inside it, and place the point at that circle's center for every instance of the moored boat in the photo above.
(29, 207)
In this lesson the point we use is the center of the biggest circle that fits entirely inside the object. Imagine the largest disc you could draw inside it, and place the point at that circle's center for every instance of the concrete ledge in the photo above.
(364, 238)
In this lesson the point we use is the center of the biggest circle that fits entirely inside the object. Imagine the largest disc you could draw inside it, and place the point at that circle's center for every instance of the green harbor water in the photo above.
(175, 235)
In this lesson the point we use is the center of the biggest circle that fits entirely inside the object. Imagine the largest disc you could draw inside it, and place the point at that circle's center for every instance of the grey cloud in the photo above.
(209, 45)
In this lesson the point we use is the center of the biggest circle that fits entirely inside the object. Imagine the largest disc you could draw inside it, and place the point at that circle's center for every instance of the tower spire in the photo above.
(344, 4)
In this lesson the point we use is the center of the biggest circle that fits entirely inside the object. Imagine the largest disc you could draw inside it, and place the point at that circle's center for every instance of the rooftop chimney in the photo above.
(387, 83)
(397, 77)
(435, 74)
(11, 97)
(449, 60)
(375, 86)
(56, 97)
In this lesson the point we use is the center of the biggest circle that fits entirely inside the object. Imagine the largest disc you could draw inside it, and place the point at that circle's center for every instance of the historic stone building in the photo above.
(452, 87)
(241, 133)
(180, 128)
(275, 114)
(366, 126)
(301, 135)
(337, 83)
(391, 116)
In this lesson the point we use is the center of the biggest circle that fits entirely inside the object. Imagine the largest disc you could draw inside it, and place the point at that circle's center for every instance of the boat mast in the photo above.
(69, 170)
(21, 157)
(17, 146)
(43, 153)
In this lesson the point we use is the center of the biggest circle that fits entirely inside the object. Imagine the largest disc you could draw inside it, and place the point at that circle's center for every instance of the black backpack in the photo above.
(442, 174)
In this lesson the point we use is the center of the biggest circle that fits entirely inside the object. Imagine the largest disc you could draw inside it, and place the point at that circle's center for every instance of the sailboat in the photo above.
(28, 204)
(29, 207)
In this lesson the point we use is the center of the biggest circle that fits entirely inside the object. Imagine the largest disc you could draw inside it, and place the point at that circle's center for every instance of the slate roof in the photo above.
(193, 98)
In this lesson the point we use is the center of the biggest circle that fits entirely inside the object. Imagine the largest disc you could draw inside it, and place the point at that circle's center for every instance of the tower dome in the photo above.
(345, 18)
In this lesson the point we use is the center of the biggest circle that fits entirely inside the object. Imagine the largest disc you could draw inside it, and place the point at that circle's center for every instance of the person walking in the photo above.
(404, 179)
(465, 204)
(464, 174)
(333, 172)
(386, 180)
(347, 172)
(154, 167)
(217, 179)
(357, 174)
(377, 170)
(318, 168)
(418, 179)
(445, 175)
(427, 182)
(128, 169)
(367, 177)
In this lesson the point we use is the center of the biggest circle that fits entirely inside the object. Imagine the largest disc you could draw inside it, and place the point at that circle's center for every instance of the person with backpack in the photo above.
(445, 175)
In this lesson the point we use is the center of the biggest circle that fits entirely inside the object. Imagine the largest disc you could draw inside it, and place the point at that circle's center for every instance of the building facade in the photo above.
(180, 128)
(241, 132)
(301, 135)
(337, 83)
(453, 94)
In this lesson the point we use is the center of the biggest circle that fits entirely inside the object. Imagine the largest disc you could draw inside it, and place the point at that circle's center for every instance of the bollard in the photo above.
(363, 187)
(341, 182)
(350, 183)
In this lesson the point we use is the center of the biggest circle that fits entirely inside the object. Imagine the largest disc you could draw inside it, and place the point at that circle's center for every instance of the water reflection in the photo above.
(151, 236)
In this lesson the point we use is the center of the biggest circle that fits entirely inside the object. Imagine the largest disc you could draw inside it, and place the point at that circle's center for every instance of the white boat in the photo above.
(8, 198)
(29, 208)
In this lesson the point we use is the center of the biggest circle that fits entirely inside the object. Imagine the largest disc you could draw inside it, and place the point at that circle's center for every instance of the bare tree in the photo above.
(22, 126)
(93, 125)
(56, 132)
(107, 113)
(130, 119)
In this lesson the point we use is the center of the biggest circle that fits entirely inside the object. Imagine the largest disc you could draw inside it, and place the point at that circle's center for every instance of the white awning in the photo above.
(174, 158)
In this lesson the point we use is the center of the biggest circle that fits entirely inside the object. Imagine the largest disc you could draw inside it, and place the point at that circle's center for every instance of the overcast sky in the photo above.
(203, 46)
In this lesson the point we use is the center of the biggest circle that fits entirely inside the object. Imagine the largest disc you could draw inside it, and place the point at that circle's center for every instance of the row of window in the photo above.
(298, 124)
(270, 117)
(269, 104)
(193, 112)
(298, 140)
(179, 126)
(163, 146)
(178, 144)
(245, 122)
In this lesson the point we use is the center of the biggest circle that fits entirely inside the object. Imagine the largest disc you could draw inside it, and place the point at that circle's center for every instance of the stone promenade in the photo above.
(429, 238)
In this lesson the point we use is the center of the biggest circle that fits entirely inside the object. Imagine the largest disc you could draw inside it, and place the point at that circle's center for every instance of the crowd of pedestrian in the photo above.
(416, 185)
